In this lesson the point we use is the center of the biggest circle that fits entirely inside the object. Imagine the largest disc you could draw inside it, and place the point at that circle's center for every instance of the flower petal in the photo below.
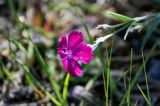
(77, 69)
(72, 67)
(62, 45)
(75, 38)
(83, 53)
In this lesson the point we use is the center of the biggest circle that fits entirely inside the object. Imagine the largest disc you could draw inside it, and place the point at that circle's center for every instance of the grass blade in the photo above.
(129, 83)
(108, 74)
(151, 29)
(143, 94)
(37, 84)
(47, 71)
(139, 72)
(45, 68)
(148, 94)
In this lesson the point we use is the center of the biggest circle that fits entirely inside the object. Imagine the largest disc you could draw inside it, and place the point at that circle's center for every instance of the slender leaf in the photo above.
(143, 94)
(150, 30)
(148, 94)
(119, 17)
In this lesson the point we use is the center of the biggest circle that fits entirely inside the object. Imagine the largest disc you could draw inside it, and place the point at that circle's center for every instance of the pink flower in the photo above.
(72, 49)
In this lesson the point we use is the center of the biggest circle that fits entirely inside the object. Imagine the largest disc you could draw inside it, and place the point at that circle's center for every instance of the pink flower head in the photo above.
(72, 49)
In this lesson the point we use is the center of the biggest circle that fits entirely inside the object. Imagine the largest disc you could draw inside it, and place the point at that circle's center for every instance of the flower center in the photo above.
(68, 52)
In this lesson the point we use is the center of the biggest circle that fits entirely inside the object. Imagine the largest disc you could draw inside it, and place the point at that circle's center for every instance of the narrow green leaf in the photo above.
(47, 71)
(144, 66)
(143, 94)
(30, 50)
(37, 84)
(150, 30)
(108, 75)
(135, 78)
(119, 17)
(129, 82)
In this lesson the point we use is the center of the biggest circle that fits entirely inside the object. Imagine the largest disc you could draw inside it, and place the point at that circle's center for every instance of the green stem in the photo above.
(65, 89)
